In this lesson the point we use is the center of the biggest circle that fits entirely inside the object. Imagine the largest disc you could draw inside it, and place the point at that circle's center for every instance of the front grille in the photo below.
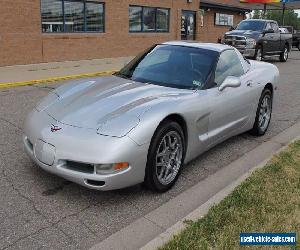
(79, 167)
(238, 42)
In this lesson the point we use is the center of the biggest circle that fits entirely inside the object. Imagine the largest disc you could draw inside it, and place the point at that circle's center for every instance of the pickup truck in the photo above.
(295, 34)
(258, 39)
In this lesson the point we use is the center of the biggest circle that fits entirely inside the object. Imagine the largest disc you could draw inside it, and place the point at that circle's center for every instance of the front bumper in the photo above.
(51, 151)
(250, 53)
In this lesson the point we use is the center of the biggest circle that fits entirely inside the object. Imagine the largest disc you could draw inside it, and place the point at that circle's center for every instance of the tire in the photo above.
(261, 124)
(163, 164)
(285, 54)
(299, 46)
(258, 54)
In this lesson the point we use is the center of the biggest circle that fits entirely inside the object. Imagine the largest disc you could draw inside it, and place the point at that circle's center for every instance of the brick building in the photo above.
(58, 30)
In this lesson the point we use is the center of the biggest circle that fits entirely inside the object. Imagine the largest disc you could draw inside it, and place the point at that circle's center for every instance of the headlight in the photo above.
(250, 43)
(106, 169)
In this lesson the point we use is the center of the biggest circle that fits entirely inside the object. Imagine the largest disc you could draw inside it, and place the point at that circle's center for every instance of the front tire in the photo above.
(285, 54)
(165, 157)
(263, 114)
(258, 54)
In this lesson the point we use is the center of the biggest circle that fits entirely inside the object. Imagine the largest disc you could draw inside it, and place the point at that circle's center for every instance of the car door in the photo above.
(231, 108)
(268, 40)
(276, 38)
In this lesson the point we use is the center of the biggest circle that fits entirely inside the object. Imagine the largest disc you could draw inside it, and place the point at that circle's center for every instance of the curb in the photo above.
(54, 79)
(202, 210)
(159, 226)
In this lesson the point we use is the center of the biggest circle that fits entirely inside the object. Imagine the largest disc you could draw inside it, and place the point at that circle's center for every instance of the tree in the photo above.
(257, 14)
(290, 18)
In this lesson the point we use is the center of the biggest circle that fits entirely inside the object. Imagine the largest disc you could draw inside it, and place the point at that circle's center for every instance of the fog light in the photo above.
(106, 169)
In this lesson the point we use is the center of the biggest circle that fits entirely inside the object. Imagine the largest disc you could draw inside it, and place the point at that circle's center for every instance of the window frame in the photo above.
(142, 20)
(227, 15)
(84, 18)
(216, 66)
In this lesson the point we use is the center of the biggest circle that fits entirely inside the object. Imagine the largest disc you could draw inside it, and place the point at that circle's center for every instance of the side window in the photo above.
(229, 64)
(268, 26)
(275, 27)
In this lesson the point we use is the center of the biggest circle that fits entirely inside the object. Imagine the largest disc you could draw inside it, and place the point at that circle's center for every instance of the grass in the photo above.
(268, 201)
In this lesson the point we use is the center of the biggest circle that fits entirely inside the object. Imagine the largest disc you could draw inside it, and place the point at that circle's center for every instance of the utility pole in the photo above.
(265, 10)
(283, 12)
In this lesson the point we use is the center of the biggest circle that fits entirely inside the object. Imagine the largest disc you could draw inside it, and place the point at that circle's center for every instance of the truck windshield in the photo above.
(251, 25)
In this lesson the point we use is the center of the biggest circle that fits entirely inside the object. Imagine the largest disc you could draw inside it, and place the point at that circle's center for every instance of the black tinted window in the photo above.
(229, 64)
(173, 66)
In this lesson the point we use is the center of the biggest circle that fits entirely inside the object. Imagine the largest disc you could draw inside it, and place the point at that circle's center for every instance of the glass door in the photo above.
(188, 25)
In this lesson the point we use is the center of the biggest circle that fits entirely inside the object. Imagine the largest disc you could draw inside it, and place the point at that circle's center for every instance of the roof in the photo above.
(209, 46)
(225, 5)
(236, 5)
(260, 20)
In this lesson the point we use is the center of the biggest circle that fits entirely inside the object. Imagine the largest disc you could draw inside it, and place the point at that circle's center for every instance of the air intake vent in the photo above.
(79, 167)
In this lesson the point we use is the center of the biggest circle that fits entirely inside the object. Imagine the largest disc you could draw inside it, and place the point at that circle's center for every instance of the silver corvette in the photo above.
(167, 106)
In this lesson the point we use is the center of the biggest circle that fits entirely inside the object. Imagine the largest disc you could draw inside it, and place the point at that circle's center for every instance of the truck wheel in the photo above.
(258, 54)
(285, 54)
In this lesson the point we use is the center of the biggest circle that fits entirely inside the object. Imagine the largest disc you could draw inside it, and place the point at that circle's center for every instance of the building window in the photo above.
(148, 19)
(72, 16)
(223, 19)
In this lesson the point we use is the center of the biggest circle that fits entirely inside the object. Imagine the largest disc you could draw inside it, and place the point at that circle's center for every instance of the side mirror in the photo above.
(231, 28)
(230, 81)
(269, 31)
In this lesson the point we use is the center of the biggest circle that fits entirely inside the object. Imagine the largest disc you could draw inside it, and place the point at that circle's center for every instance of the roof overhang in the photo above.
(213, 5)
(289, 4)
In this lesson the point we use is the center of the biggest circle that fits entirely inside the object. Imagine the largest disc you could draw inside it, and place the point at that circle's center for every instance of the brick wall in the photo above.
(21, 40)
(211, 32)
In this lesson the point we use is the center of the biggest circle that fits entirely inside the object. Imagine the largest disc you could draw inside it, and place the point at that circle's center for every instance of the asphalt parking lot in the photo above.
(42, 211)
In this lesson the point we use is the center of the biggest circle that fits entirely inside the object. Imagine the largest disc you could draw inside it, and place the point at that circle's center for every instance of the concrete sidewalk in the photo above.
(33, 72)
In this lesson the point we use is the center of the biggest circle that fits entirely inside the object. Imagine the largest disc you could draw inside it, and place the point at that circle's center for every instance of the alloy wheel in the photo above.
(258, 55)
(286, 54)
(265, 113)
(169, 157)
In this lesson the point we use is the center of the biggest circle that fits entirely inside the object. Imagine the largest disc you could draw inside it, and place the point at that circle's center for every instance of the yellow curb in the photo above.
(54, 79)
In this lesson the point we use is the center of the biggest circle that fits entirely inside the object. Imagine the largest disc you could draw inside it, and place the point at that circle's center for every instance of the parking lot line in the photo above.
(54, 79)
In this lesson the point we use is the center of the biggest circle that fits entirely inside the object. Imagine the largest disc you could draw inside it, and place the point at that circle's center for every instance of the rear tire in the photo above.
(285, 54)
(263, 114)
(165, 157)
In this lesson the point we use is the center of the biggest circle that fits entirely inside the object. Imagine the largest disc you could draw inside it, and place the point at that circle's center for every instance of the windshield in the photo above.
(171, 66)
(251, 25)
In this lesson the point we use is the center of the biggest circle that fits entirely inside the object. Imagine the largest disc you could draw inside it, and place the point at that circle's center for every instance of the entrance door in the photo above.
(188, 25)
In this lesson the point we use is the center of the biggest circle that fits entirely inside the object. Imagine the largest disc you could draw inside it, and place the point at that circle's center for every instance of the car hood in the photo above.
(246, 33)
(91, 104)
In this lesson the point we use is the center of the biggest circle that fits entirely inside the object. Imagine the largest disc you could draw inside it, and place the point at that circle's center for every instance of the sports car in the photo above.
(168, 105)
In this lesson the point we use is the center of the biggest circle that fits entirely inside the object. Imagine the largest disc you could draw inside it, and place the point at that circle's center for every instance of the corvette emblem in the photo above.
(55, 128)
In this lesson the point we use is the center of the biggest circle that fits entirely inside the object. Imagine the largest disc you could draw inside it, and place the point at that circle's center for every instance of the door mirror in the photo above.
(230, 81)
(231, 28)
(269, 31)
